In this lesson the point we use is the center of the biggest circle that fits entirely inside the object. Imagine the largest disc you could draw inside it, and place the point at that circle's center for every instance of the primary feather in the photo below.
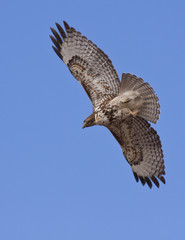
(88, 64)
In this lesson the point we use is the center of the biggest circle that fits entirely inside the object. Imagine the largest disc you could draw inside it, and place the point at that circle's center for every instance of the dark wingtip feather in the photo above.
(142, 180)
(57, 52)
(136, 177)
(56, 35)
(55, 42)
(61, 30)
(66, 26)
(154, 179)
(162, 179)
(148, 182)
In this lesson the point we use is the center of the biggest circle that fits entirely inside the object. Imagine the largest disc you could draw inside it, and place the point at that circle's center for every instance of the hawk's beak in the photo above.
(84, 125)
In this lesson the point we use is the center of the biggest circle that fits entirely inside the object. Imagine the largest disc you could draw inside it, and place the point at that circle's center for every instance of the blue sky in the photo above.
(58, 181)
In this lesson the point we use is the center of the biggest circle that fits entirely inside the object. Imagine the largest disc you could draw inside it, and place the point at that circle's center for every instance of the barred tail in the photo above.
(150, 107)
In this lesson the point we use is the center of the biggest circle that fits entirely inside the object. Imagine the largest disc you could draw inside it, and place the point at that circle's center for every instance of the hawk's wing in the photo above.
(141, 147)
(88, 64)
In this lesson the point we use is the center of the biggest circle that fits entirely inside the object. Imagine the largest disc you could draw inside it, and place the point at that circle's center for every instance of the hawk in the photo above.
(123, 107)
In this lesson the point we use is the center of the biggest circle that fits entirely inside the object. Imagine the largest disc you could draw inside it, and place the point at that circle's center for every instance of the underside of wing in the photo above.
(142, 149)
(88, 64)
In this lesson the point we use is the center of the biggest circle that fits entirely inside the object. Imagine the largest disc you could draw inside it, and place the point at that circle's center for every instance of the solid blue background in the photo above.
(58, 181)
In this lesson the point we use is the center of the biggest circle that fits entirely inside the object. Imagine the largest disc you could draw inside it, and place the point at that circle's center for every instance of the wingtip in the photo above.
(61, 31)
(57, 24)
(148, 182)
(155, 181)
(57, 36)
(64, 22)
(55, 42)
(51, 37)
(57, 52)
(162, 179)
(142, 180)
(136, 177)
(66, 25)
(52, 29)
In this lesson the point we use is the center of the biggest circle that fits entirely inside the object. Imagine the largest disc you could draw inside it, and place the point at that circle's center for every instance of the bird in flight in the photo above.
(124, 107)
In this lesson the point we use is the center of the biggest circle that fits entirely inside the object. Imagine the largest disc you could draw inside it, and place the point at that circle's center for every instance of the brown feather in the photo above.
(154, 179)
(57, 52)
(55, 42)
(60, 29)
(56, 36)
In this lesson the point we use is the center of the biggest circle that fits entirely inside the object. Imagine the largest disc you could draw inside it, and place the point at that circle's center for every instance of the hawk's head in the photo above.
(90, 121)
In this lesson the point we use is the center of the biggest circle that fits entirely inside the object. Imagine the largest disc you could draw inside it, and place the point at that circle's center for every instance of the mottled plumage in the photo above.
(123, 107)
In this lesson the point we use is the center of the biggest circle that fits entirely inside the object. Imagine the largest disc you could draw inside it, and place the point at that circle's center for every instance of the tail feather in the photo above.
(129, 81)
(150, 108)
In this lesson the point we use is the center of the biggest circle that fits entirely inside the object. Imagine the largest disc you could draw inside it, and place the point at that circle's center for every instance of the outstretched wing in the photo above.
(88, 64)
(142, 149)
